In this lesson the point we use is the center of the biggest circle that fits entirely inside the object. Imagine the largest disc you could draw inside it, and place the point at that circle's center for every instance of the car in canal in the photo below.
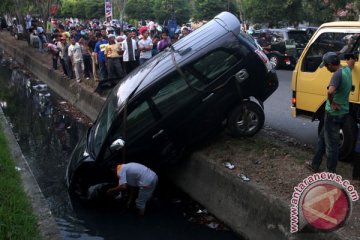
(214, 78)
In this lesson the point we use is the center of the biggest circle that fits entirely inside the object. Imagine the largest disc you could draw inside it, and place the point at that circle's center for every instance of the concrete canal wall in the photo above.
(241, 205)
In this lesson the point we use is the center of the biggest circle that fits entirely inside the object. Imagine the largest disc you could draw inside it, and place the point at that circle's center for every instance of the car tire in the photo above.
(347, 137)
(246, 119)
(274, 60)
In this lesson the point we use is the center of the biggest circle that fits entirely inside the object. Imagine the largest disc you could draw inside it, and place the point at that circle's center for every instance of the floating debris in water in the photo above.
(243, 177)
(40, 87)
(213, 225)
(202, 211)
(228, 165)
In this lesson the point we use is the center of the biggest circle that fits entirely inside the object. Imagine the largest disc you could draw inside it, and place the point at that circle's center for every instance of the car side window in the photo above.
(139, 117)
(175, 91)
(215, 64)
(340, 42)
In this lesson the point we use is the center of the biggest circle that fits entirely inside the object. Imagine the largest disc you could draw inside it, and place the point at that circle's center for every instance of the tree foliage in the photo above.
(273, 12)
(140, 9)
(208, 9)
(268, 12)
(83, 9)
(172, 9)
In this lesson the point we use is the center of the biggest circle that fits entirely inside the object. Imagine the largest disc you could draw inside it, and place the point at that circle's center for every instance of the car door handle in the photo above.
(158, 134)
(208, 97)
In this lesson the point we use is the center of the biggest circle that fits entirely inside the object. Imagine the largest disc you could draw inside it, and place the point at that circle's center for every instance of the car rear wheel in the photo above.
(347, 137)
(246, 119)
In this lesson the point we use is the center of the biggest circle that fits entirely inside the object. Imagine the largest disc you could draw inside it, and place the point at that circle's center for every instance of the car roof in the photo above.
(341, 24)
(184, 50)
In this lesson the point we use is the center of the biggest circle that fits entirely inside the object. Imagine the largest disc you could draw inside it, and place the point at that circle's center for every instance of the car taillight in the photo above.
(293, 99)
(287, 61)
(265, 59)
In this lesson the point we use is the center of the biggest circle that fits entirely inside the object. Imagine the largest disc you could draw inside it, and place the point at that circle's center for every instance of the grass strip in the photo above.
(17, 220)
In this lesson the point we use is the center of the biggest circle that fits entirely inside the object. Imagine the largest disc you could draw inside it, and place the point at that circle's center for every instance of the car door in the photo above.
(177, 99)
(190, 101)
(138, 126)
(218, 77)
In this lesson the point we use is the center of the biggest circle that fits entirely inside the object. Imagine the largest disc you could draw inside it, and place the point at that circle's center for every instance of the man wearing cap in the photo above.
(136, 175)
(145, 47)
(336, 109)
(112, 53)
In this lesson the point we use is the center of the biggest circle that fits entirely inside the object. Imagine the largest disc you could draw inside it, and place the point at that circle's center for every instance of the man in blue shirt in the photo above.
(100, 52)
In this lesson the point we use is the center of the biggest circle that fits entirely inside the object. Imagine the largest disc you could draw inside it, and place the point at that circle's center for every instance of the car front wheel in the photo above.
(246, 119)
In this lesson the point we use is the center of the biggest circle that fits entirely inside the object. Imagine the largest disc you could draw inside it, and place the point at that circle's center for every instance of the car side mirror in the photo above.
(117, 145)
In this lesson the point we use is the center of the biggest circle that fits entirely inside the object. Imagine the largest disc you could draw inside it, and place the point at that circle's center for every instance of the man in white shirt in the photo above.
(136, 175)
(129, 47)
(145, 47)
(75, 55)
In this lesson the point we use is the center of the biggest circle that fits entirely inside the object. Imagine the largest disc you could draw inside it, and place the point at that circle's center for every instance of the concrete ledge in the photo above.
(47, 225)
(244, 207)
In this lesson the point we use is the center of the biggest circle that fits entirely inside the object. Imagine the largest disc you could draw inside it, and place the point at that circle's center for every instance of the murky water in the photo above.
(47, 129)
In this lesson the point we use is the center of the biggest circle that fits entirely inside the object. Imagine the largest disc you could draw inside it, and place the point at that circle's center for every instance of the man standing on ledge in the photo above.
(100, 52)
(136, 175)
(336, 109)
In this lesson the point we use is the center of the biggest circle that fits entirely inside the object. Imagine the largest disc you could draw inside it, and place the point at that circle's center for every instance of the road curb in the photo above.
(244, 207)
(46, 222)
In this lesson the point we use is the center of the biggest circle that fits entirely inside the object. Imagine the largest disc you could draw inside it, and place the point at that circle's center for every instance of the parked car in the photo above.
(163, 110)
(309, 82)
(286, 45)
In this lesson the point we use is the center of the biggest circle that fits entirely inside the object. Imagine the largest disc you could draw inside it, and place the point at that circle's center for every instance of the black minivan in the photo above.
(214, 77)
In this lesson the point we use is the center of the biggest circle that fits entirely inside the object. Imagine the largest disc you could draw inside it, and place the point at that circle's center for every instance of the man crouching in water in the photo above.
(136, 175)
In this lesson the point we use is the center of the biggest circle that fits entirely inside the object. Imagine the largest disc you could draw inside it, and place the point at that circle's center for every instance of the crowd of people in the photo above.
(105, 54)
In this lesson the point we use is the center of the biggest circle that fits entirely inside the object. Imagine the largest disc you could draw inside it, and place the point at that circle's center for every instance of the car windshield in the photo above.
(115, 103)
(298, 36)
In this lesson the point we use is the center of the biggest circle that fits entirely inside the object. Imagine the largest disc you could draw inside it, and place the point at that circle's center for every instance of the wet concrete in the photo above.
(47, 129)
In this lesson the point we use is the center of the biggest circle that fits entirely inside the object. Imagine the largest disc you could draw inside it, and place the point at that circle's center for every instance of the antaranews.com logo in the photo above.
(322, 201)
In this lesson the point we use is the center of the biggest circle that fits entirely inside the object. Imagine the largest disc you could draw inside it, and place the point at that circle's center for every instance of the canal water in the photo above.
(47, 129)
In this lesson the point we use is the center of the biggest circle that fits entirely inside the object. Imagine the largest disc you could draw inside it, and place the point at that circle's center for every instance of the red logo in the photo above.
(325, 206)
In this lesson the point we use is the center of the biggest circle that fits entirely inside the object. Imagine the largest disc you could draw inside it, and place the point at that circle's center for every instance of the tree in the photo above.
(119, 8)
(82, 9)
(208, 9)
(172, 9)
(139, 9)
(269, 12)
(273, 12)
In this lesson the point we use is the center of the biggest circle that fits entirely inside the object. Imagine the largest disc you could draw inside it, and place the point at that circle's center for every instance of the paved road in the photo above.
(278, 115)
